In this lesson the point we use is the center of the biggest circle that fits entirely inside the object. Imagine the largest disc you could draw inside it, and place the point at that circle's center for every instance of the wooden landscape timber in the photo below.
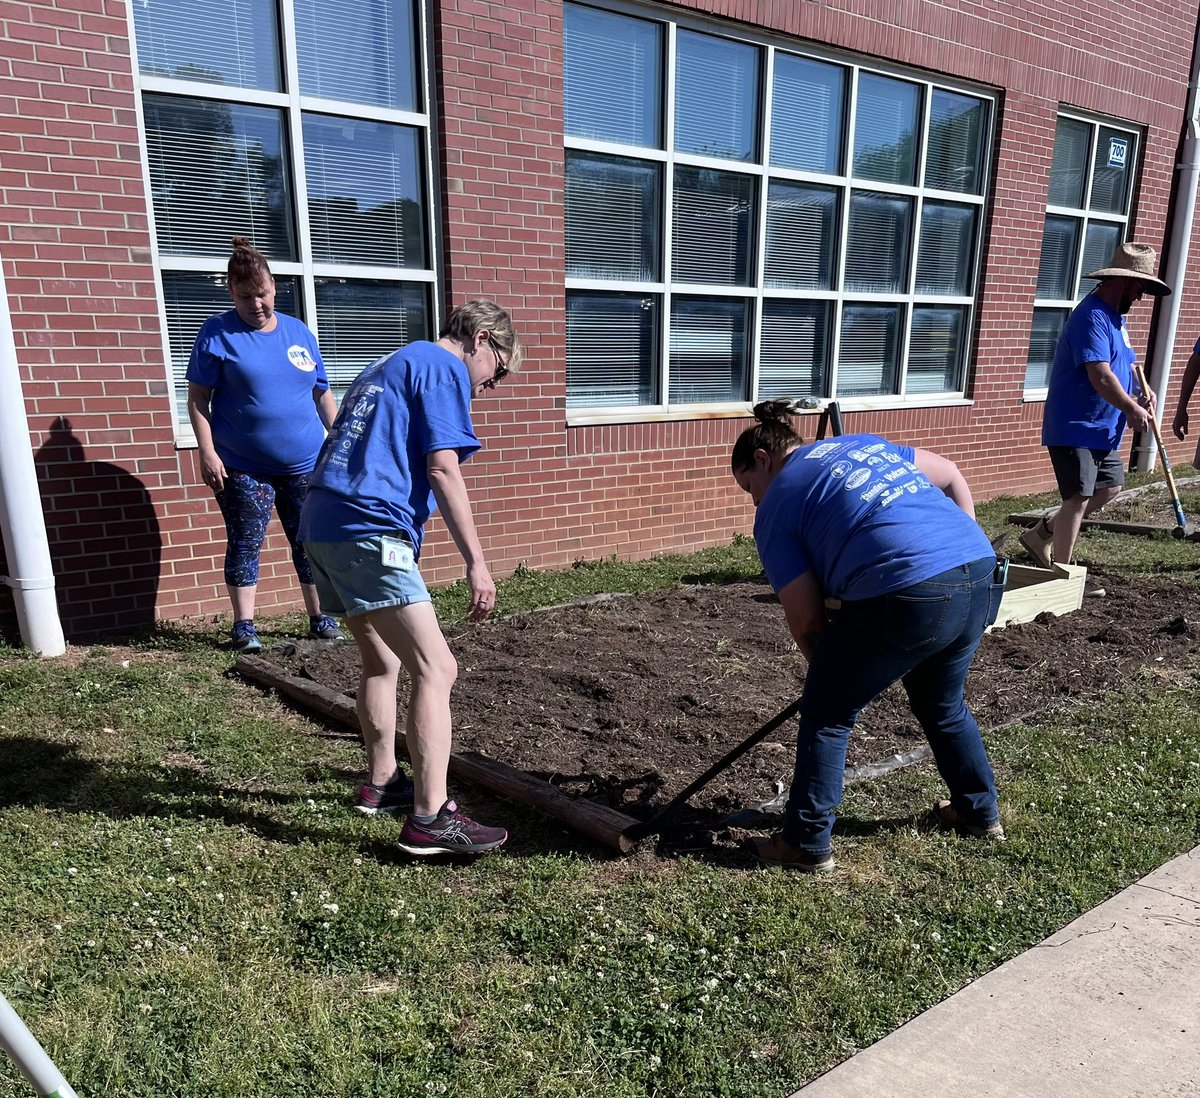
(1139, 529)
(606, 825)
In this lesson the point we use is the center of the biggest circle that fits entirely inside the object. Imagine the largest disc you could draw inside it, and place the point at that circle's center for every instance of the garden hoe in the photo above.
(1183, 528)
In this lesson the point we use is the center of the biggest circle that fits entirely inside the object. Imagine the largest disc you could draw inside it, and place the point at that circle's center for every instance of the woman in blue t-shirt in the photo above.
(890, 532)
(260, 404)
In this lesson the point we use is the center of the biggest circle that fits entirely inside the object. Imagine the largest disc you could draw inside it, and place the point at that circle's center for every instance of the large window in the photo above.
(304, 128)
(1087, 216)
(743, 221)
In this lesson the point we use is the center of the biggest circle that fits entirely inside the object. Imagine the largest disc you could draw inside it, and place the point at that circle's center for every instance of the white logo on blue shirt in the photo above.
(300, 358)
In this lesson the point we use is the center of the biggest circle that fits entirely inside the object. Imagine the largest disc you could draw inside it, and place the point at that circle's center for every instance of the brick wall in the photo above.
(134, 536)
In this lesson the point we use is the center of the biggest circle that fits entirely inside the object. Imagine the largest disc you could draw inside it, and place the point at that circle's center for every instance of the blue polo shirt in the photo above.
(1075, 414)
(264, 420)
(370, 477)
(863, 518)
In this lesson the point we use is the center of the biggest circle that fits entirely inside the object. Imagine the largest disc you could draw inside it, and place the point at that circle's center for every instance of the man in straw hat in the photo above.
(1092, 395)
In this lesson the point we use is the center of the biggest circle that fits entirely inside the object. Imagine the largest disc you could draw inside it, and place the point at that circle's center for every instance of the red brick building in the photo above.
(686, 207)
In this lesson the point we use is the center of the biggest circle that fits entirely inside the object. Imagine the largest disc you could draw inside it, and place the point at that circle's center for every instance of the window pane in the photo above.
(885, 129)
(870, 350)
(1060, 245)
(361, 319)
(716, 96)
(218, 170)
(878, 250)
(712, 218)
(613, 224)
(234, 43)
(361, 51)
(1072, 145)
(708, 350)
(802, 222)
(957, 124)
(365, 200)
(1115, 154)
(612, 349)
(191, 299)
(1047, 323)
(944, 262)
(806, 114)
(794, 356)
(1099, 243)
(612, 77)
(935, 349)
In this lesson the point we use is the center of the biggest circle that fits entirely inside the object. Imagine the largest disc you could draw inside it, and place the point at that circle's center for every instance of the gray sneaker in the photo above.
(1039, 540)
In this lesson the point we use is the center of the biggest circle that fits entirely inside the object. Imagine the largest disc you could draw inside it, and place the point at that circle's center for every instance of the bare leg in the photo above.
(312, 603)
(1069, 517)
(242, 599)
(408, 636)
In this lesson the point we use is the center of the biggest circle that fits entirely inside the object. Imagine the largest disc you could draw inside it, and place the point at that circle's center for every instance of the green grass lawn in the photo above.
(190, 909)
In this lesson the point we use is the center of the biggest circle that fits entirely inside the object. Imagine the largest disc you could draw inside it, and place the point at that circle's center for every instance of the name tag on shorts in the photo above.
(395, 553)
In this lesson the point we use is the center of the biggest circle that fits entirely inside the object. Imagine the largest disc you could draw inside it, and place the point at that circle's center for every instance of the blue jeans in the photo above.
(926, 636)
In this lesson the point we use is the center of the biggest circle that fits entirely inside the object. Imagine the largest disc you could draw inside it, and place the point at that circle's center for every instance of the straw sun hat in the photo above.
(1135, 261)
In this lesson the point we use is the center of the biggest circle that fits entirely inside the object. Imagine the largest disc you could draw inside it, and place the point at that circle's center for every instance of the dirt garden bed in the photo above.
(626, 699)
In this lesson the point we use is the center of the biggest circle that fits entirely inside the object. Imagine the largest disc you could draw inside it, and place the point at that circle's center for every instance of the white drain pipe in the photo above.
(21, 519)
(1177, 259)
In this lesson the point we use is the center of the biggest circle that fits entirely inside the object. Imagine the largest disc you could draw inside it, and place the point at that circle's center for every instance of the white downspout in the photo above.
(1177, 259)
(21, 520)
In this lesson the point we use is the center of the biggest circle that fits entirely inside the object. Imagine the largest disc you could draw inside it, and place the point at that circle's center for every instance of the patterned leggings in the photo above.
(246, 502)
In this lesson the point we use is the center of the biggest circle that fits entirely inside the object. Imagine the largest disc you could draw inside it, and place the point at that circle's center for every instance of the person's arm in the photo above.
(944, 474)
(1105, 382)
(327, 407)
(450, 491)
(1186, 388)
(803, 605)
(199, 406)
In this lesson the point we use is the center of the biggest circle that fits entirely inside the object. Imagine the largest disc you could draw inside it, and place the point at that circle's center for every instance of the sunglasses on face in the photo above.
(502, 370)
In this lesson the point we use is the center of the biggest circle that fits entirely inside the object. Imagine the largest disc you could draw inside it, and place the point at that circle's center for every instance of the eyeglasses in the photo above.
(502, 370)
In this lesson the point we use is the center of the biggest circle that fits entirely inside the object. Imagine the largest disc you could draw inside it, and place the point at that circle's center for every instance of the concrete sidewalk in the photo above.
(1109, 1007)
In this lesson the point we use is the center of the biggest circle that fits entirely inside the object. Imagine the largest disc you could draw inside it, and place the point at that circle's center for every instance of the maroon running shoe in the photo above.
(450, 832)
(394, 796)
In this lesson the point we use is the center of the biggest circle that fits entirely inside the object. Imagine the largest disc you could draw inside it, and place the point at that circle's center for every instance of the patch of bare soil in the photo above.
(1150, 504)
(627, 699)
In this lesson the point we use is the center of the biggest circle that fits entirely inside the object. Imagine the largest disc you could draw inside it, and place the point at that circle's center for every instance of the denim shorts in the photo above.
(352, 579)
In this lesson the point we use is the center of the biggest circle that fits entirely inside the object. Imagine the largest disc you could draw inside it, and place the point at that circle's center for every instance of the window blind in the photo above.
(716, 96)
(802, 224)
(235, 43)
(365, 197)
(1056, 270)
(935, 349)
(1099, 242)
(361, 51)
(879, 245)
(1068, 170)
(954, 161)
(612, 217)
(612, 77)
(708, 350)
(1116, 152)
(712, 217)
(870, 350)
(1043, 337)
(793, 356)
(218, 170)
(885, 128)
(947, 250)
(612, 349)
(360, 319)
(807, 111)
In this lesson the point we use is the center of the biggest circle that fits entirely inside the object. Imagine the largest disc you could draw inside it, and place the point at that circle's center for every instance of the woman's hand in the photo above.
(483, 591)
(212, 470)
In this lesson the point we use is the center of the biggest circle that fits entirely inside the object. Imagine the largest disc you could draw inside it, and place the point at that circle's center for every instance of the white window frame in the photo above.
(1085, 215)
(763, 171)
(294, 106)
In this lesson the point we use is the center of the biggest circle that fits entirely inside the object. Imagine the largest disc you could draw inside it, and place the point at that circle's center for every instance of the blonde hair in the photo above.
(485, 316)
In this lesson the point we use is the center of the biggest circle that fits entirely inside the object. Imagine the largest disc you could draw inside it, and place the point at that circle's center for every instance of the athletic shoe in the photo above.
(1093, 590)
(393, 796)
(323, 627)
(1039, 540)
(245, 637)
(778, 851)
(450, 832)
(946, 814)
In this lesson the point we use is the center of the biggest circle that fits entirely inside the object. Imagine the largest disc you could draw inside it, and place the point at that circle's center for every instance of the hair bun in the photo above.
(772, 411)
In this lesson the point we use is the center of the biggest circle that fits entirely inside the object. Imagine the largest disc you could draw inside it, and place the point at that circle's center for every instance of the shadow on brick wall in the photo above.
(105, 544)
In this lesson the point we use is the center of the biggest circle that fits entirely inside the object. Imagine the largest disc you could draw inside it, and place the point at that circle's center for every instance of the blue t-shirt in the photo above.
(858, 514)
(1075, 414)
(264, 420)
(370, 477)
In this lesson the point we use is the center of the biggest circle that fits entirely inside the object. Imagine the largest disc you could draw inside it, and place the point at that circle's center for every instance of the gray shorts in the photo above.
(352, 578)
(1083, 472)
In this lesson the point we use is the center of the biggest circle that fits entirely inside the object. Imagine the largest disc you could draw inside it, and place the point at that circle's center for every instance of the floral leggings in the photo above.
(246, 502)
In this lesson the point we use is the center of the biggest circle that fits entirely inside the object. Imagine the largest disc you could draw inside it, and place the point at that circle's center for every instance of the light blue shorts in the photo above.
(352, 579)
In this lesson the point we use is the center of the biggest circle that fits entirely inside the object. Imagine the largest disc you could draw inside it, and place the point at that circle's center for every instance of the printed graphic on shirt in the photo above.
(872, 472)
(351, 430)
(300, 358)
